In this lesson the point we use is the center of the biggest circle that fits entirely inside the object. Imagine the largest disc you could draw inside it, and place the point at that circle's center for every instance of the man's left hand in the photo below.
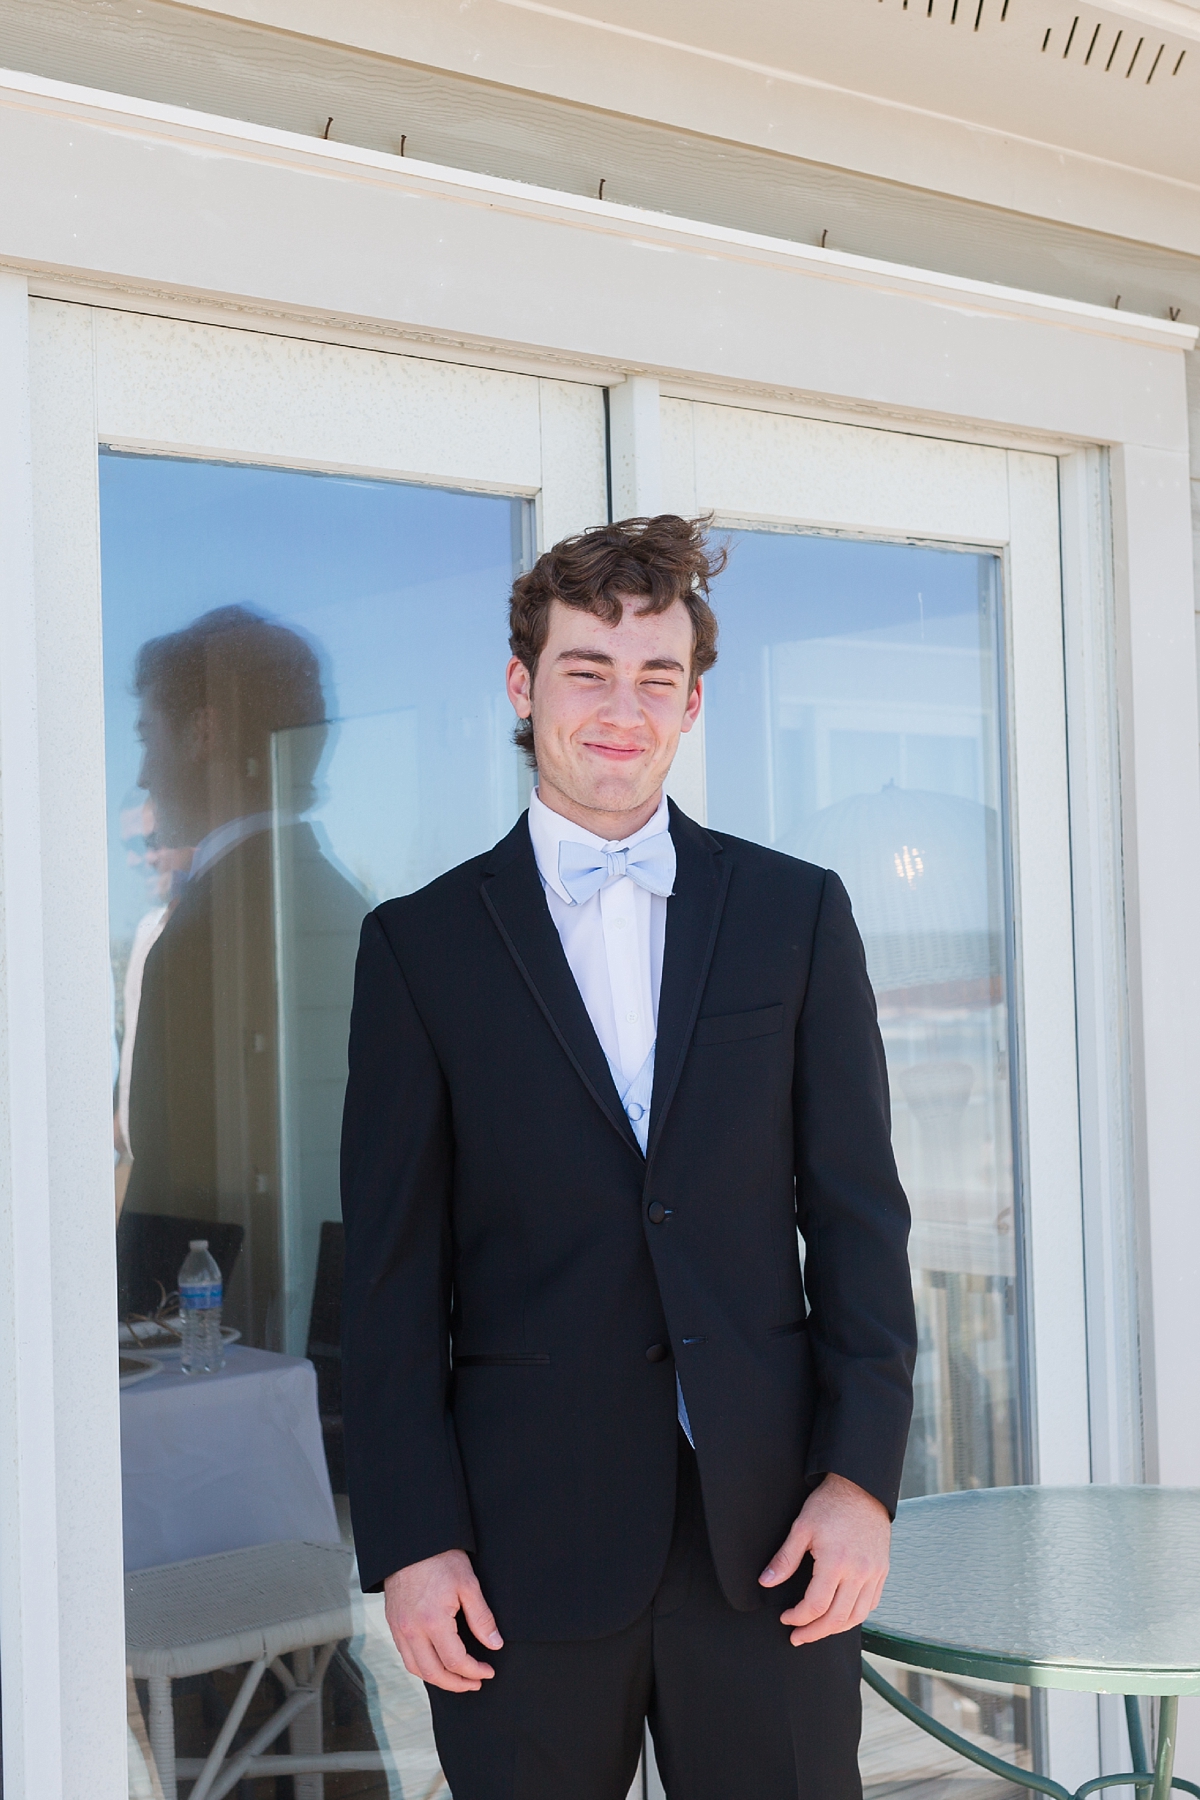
(847, 1533)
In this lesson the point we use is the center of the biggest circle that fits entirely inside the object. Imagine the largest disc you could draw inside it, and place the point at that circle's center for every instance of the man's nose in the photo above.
(621, 705)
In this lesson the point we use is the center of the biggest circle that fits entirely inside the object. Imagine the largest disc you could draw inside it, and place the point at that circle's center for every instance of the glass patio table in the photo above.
(1091, 1588)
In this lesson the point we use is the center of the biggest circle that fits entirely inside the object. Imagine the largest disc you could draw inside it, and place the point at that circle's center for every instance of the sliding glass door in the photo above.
(305, 715)
(890, 662)
(854, 719)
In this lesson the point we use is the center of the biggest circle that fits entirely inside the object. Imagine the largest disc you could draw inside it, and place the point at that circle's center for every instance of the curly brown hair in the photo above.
(660, 560)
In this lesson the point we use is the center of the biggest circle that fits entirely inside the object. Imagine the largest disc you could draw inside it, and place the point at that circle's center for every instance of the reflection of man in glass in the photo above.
(233, 725)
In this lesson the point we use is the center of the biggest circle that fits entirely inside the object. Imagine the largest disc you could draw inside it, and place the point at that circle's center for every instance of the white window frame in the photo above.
(752, 468)
(124, 204)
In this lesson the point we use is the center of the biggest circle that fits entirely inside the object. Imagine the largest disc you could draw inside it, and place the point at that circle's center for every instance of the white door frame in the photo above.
(161, 386)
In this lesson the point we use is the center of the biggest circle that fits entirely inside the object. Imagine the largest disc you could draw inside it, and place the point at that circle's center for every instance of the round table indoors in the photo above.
(1091, 1588)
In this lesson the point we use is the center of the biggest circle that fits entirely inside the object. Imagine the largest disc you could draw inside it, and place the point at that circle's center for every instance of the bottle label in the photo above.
(200, 1299)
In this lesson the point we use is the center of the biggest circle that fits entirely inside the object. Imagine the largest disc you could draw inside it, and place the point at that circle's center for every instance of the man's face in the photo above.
(609, 703)
(172, 774)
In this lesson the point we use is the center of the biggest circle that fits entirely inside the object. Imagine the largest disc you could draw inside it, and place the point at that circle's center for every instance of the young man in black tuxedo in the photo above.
(614, 1453)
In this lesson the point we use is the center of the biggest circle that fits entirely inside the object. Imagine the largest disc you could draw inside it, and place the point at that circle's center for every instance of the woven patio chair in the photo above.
(251, 1607)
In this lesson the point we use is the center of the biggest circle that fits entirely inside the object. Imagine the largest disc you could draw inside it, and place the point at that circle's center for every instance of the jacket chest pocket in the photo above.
(733, 1028)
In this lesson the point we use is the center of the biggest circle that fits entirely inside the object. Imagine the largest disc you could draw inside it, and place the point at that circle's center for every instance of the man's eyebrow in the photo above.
(596, 656)
(602, 656)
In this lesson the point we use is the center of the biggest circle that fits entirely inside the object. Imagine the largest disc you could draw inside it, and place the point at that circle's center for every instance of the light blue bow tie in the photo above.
(583, 869)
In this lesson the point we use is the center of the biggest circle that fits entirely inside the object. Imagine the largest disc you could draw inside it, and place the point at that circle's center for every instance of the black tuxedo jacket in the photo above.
(204, 1106)
(521, 1282)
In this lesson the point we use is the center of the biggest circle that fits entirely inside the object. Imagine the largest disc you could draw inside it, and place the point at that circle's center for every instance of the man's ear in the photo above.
(695, 700)
(202, 735)
(519, 683)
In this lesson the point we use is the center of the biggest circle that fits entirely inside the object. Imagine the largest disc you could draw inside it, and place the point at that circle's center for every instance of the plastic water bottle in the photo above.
(200, 1311)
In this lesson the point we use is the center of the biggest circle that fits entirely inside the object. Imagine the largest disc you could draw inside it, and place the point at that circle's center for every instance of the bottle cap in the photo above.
(198, 1244)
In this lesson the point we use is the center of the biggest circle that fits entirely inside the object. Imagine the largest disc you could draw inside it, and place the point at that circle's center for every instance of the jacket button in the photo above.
(656, 1212)
(657, 1353)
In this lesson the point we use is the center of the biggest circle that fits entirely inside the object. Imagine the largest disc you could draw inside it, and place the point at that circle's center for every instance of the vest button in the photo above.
(656, 1212)
(657, 1353)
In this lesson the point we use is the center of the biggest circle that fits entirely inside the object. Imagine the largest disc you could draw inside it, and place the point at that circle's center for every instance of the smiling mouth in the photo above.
(618, 752)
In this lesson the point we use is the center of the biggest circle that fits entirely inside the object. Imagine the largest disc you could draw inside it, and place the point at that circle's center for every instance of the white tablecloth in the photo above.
(218, 1462)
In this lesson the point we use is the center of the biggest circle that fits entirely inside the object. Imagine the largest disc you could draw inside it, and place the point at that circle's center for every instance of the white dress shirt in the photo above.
(614, 946)
(228, 836)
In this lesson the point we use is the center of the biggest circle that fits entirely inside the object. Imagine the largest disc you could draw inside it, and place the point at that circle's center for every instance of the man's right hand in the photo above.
(422, 1603)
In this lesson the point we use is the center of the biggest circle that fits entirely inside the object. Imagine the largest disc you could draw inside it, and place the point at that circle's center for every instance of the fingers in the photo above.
(819, 1596)
(849, 1605)
(847, 1532)
(434, 1652)
(428, 1666)
(789, 1556)
(424, 1625)
(454, 1655)
(479, 1616)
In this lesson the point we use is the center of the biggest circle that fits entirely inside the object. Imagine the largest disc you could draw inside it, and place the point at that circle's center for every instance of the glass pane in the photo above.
(854, 719)
(305, 714)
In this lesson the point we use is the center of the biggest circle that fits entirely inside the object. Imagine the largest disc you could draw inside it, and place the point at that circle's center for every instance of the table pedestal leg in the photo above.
(305, 1734)
(1164, 1763)
(162, 1733)
(1137, 1738)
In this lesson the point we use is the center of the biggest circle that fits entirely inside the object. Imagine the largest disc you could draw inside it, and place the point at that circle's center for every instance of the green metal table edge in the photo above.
(993, 1666)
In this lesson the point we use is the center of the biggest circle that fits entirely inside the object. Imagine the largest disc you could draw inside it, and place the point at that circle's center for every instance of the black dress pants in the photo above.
(736, 1712)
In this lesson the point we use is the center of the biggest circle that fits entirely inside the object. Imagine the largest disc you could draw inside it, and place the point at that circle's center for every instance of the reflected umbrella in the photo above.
(920, 868)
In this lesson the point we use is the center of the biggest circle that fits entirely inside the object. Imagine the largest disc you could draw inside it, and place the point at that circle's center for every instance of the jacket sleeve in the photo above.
(853, 1217)
(407, 1494)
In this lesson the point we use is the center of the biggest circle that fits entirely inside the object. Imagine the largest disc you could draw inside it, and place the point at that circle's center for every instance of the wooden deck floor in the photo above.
(901, 1762)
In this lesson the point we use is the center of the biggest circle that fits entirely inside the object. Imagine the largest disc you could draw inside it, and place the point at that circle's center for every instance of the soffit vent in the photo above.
(969, 12)
(1114, 49)
(1138, 56)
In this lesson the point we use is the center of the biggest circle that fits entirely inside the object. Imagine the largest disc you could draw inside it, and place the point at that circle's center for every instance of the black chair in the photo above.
(151, 1248)
(324, 1349)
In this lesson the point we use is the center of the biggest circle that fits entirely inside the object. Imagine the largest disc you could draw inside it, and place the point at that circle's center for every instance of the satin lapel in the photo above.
(693, 916)
(512, 893)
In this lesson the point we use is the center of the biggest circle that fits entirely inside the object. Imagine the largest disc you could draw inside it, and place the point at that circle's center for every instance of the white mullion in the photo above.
(635, 427)
(1044, 993)
(1045, 987)
(1114, 1385)
(29, 1614)
(1160, 798)
(1101, 1002)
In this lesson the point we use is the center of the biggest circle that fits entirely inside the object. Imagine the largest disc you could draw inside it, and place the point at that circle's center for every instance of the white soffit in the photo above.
(64, 99)
(1014, 114)
(153, 201)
